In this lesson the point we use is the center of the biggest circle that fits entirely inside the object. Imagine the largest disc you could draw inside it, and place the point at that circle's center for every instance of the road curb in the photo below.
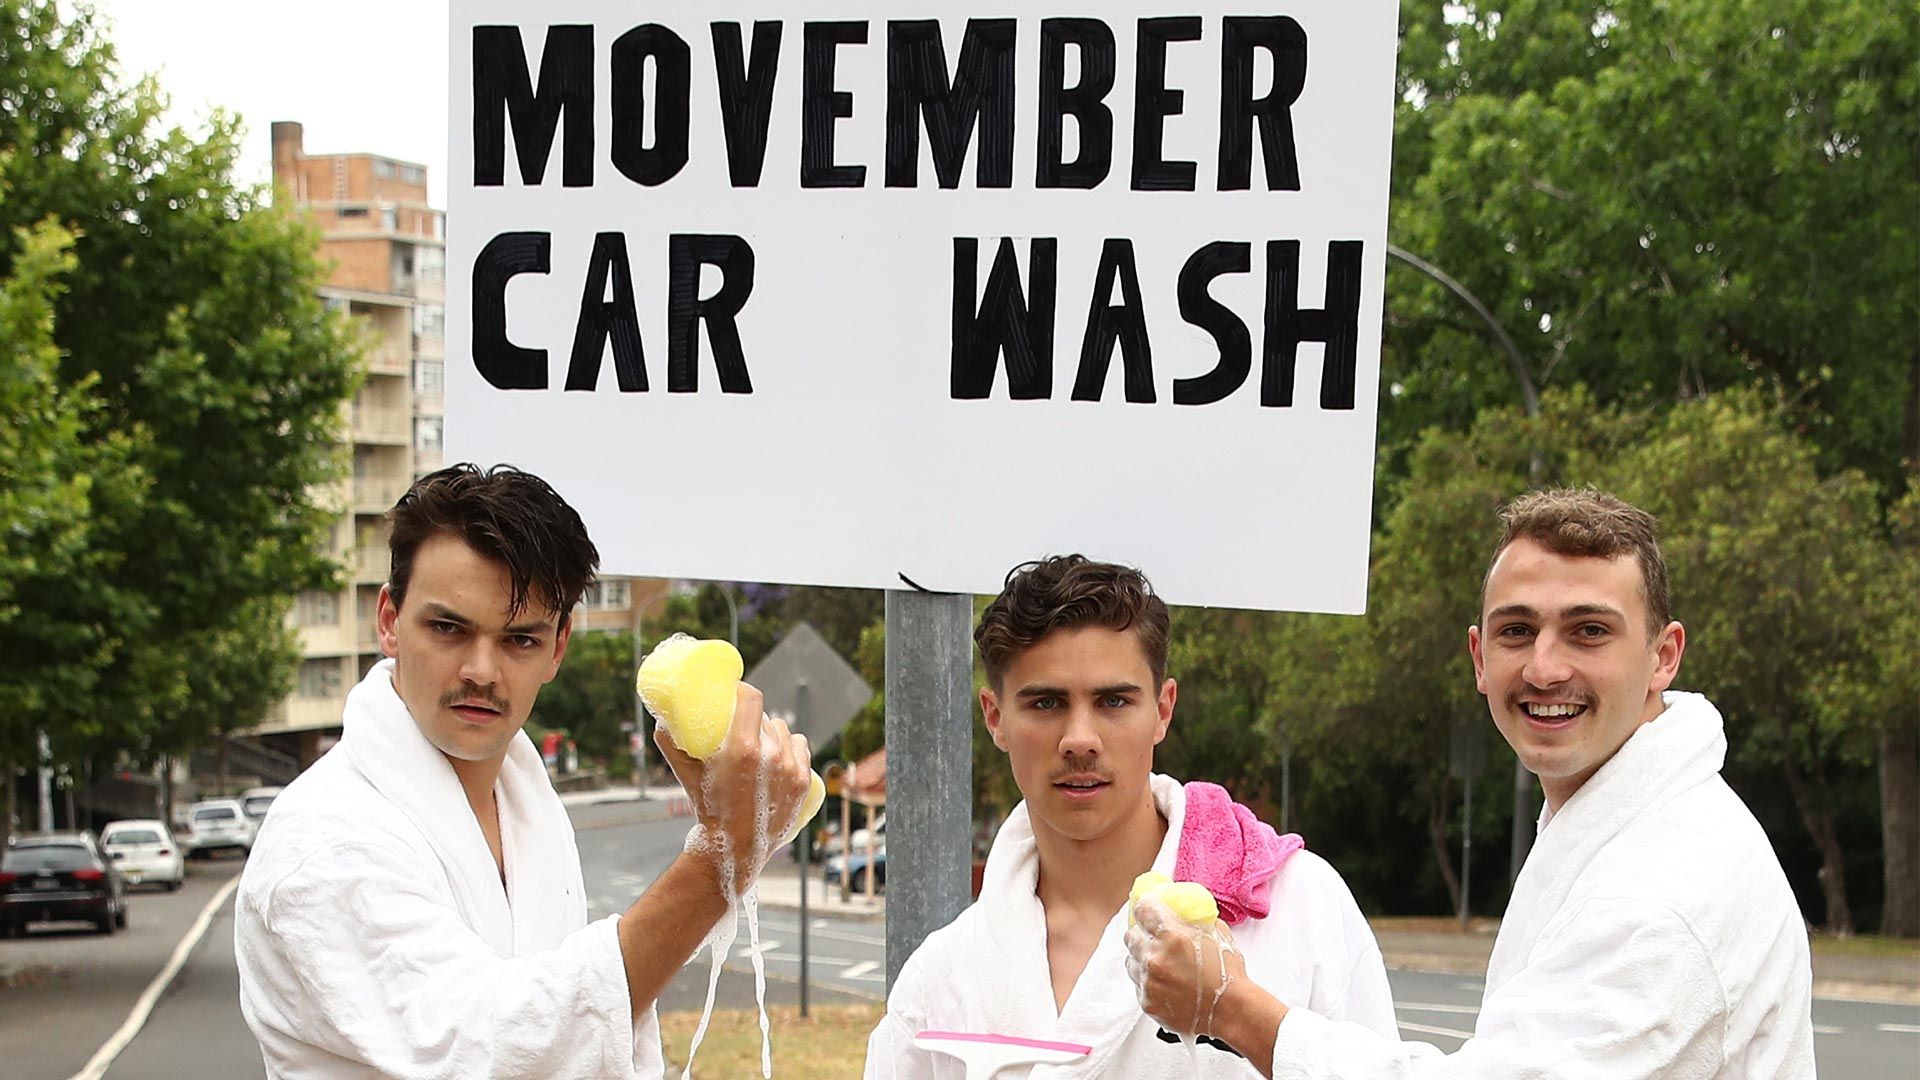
(103, 1058)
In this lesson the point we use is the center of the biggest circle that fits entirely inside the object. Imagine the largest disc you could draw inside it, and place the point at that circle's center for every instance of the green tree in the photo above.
(1662, 200)
(592, 697)
(59, 626)
(190, 321)
(1773, 567)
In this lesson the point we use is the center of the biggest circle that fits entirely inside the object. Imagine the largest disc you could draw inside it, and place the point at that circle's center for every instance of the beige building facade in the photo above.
(385, 249)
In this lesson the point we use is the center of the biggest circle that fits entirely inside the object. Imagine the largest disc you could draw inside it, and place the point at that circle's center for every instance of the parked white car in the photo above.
(217, 825)
(145, 852)
(255, 801)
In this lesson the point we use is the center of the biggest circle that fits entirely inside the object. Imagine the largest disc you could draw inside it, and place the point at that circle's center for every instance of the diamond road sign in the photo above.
(834, 691)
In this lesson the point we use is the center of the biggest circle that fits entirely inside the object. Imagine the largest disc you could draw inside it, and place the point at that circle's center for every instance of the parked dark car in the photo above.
(56, 877)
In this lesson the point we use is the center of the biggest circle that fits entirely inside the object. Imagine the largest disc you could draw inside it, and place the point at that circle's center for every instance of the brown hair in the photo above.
(1064, 592)
(1586, 523)
(512, 517)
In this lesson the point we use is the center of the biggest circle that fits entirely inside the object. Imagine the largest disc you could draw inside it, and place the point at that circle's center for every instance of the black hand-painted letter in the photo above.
(1283, 38)
(502, 363)
(1153, 102)
(1086, 103)
(601, 318)
(1005, 322)
(1337, 324)
(1125, 322)
(1202, 310)
(981, 91)
(746, 95)
(672, 83)
(821, 104)
(685, 310)
(503, 90)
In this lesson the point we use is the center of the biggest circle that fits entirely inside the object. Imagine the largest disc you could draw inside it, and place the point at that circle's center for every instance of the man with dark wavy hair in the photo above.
(1077, 696)
(413, 906)
(1651, 934)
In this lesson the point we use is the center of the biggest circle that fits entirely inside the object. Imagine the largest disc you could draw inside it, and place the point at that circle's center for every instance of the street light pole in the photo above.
(1523, 814)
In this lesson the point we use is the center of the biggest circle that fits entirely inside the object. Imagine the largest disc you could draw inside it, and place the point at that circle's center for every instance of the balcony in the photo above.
(370, 566)
(377, 494)
(335, 640)
(389, 358)
(383, 424)
(303, 714)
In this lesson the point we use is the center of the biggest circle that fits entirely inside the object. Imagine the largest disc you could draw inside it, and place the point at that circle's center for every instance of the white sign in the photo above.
(845, 294)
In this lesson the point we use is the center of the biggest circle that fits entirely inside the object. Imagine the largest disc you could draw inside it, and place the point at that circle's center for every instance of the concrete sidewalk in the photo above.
(1425, 945)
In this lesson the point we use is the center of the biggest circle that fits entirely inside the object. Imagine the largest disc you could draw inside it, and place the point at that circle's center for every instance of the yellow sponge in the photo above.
(689, 686)
(1189, 900)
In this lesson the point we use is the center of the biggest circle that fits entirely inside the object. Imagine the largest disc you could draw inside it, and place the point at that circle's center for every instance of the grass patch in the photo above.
(1867, 945)
(829, 1045)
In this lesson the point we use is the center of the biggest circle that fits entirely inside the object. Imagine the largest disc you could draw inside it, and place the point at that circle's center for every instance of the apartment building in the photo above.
(385, 247)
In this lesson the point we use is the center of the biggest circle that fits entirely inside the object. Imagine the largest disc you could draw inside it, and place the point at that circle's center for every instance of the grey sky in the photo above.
(361, 75)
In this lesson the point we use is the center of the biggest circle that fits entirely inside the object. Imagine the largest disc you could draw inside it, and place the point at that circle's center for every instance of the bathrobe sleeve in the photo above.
(1620, 990)
(351, 961)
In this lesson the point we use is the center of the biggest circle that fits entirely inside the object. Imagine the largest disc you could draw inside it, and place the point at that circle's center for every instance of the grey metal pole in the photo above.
(929, 766)
(1466, 858)
(800, 724)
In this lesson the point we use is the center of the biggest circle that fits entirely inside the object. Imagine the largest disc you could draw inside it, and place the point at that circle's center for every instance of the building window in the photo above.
(389, 219)
(430, 321)
(608, 594)
(427, 433)
(316, 609)
(433, 265)
(413, 174)
(383, 168)
(429, 376)
(319, 679)
(352, 211)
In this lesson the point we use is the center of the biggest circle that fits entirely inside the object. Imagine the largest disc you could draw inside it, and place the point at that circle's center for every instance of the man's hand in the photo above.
(1193, 981)
(749, 790)
(1180, 970)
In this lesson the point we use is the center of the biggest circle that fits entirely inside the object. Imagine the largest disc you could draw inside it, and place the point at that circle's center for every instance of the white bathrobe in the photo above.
(987, 971)
(1651, 935)
(373, 937)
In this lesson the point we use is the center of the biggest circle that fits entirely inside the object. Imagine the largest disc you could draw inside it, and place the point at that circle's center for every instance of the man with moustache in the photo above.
(1077, 696)
(413, 906)
(1651, 933)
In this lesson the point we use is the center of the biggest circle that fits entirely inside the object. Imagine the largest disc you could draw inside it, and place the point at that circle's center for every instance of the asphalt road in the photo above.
(1851, 1040)
(846, 958)
(63, 991)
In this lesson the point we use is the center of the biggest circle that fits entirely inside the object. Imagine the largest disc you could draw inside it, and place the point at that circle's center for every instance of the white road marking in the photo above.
(765, 946)
(1827, 1029)
(863, 970)
(813, 958)
(103, 1057)
(1899, 1029)
(1419, 1006)
(1427, 1030)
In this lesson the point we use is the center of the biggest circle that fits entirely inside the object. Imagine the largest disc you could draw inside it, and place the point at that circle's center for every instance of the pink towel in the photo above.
(1230, 851)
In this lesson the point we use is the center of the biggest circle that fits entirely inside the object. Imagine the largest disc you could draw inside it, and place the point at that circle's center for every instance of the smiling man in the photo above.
(1077, 697)
(413, 906)
(1651, 933)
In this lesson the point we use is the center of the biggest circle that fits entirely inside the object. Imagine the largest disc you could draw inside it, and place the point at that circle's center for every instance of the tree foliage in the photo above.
(192, 343)
(1658, 200)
